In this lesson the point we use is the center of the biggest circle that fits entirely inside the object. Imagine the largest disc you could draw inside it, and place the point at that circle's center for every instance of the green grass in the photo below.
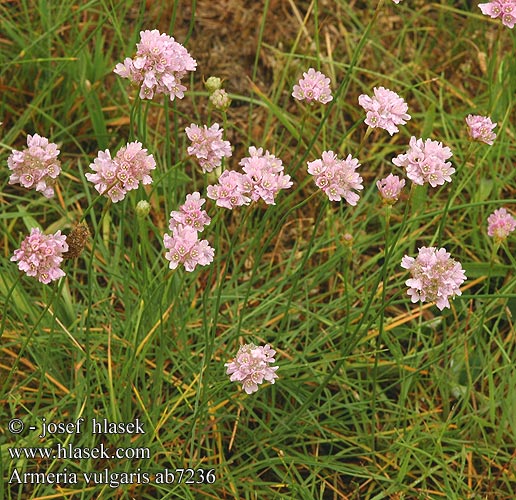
(376, 397)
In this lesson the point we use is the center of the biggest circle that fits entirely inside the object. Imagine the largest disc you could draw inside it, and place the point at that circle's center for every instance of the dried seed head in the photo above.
(77, 240)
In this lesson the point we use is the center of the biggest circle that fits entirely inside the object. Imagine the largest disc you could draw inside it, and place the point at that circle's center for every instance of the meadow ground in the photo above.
(376, 396)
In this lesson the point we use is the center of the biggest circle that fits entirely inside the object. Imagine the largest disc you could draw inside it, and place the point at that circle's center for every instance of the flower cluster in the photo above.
(426, 162)
(41, 254)
(37, 166)
(434, 276)
(251, 366)
(263, 178)
(500, 224)
(390, 188)
(158, 66)
(184, 246)
(385, 109)
(314, 86)
(230, 192)
(116, 176)
(336, 177)
(208, 146)
(264, 175)
(480, 128)
(504, 9)
(190, 213)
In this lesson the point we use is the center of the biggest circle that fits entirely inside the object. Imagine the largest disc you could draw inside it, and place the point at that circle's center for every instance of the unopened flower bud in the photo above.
(142, 209)
(220, 99)
(347, 240)
(212, 84)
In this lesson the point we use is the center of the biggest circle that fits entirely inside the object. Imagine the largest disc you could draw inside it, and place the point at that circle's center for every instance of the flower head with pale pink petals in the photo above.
(231, 190)
(390, 188)
(251, 366)
(385, 109)
(500, 224)
(159, 65)
(336, 177)
(116, 176)
(190, 213)
(185, 247)
(314, 86)
(264, 176)
(435, 276)
(208, 146)
(425, 162)
(40, 255)
(503, 9)
(480, 128)
(36, 166)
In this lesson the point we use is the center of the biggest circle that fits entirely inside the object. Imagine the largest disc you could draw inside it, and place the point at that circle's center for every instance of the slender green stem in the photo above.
(388, 210)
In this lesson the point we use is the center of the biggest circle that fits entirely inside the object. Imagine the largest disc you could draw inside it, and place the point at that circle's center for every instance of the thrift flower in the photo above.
(385, 110)
(37, 166)
(434, 276)
(41, 254)
(231, 190)
(314, 86)
(390, 188)
(116, 176)
(500, 224)
(426, 162)
(251, 366)
(481, 128)
(190, 213)
(504, 9)
(158, 66)
(337, 178)
(208, 146)
(264, 175)
(185, 248)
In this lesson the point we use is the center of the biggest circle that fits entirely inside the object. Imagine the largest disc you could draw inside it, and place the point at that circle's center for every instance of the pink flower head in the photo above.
(207, 145)
(158, 66)
(190, 213)
(500, 224)
(231, 190)
(37, 166)
(41, 254)
(251, 366)
(385, 110)
(434, 276)
(504, 9)
(481, 128)
(337, 178)
(396, 1)
(184, 247)
(264, 175)
(115, 177)
(314, 86)
(426, 162)
(390, 188)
